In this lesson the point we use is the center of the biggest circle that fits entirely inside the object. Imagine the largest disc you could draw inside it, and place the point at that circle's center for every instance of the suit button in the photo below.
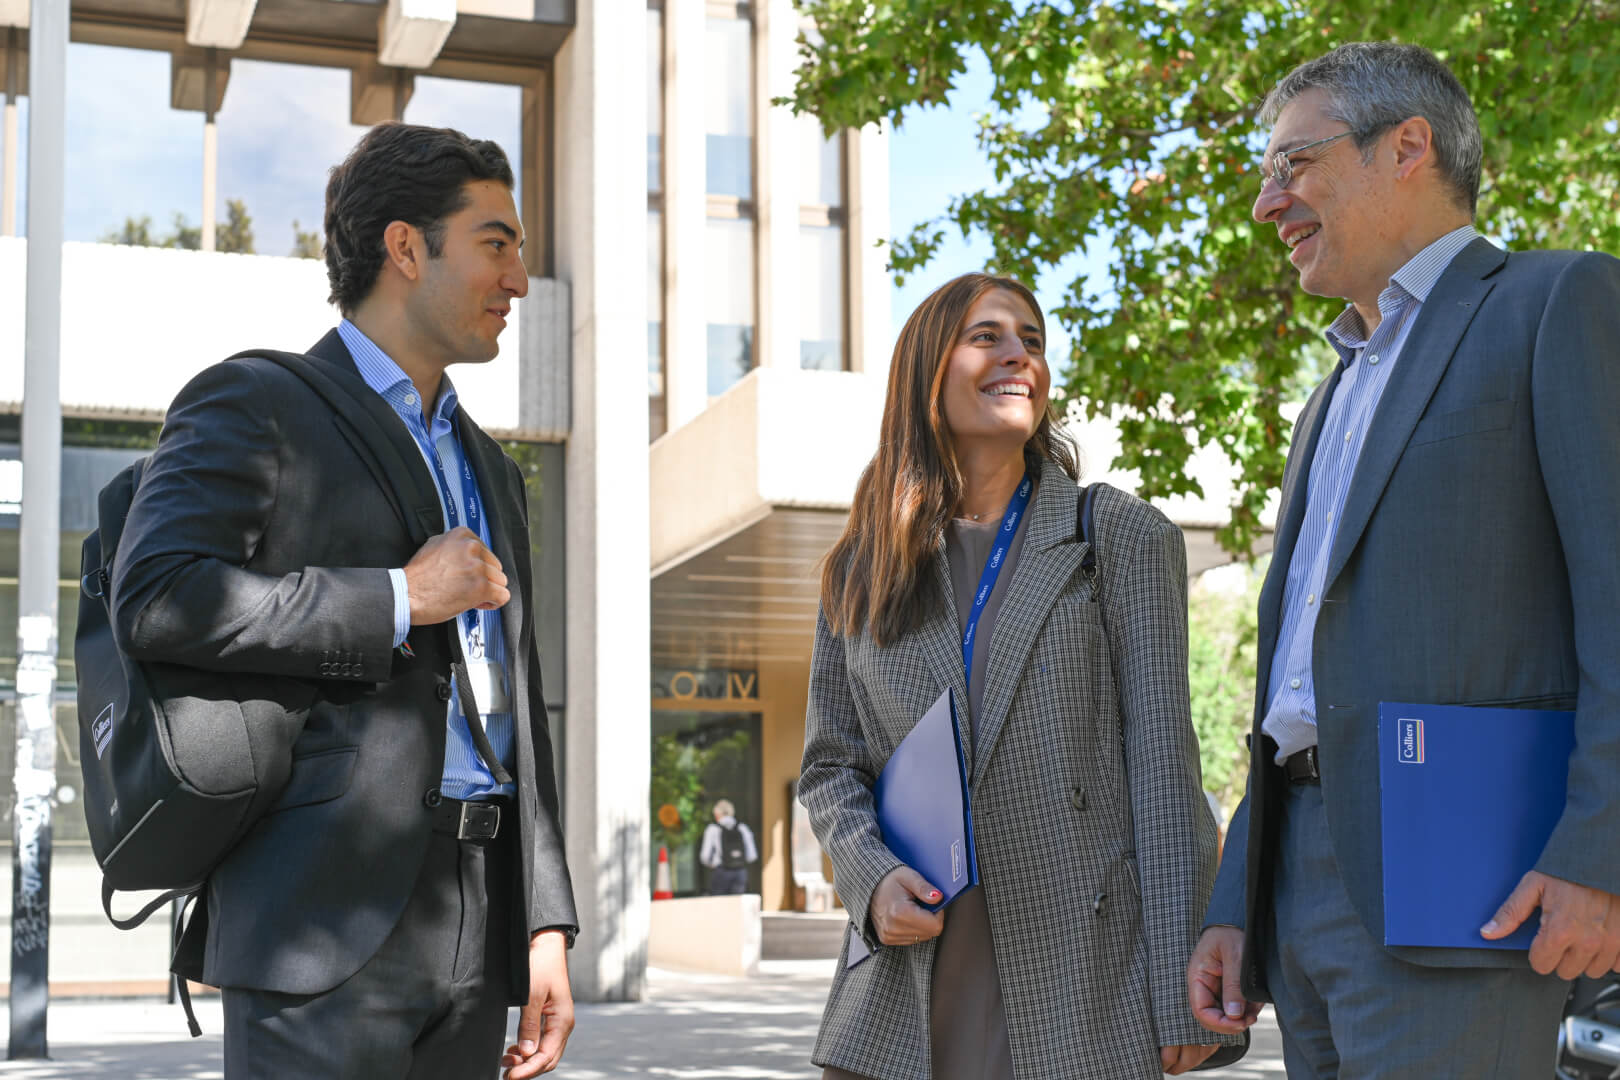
(442, 691)
(326, 669)
(432, 798)
(1077, 798)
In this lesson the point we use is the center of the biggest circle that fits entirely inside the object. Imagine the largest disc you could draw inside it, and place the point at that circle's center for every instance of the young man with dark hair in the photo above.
(409, 884)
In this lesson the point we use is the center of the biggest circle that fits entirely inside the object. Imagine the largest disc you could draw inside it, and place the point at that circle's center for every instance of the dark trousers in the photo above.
(723, 882)
(1349, 1010)
(430, 1005)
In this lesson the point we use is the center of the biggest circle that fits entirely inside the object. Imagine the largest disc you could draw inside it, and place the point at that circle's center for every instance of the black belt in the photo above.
(1302, 767)
(470, 820)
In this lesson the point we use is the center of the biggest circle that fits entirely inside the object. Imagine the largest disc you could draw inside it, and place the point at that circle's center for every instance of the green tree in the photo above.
(306, 245)
(1222, 642)
(1132, 125)
(185, 236)
(236, 234)
(136, 232)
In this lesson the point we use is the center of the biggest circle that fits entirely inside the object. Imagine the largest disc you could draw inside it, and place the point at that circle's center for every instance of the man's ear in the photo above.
(403, 246)
(1414, 144)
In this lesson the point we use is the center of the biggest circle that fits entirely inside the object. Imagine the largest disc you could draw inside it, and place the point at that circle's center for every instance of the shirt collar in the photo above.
(1413, 281)
(387, 378)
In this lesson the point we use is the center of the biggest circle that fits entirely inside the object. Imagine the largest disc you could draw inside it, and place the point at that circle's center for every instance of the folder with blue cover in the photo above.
(1470, 796)
(924, 809)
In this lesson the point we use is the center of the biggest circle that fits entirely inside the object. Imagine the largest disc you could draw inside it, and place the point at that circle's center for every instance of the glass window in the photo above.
(699, 758)
(655, 326)
(281, 129)
(134, 165)
(821, 298)
(729, 300)
(823, 164)
(655, 100)
(730, 108)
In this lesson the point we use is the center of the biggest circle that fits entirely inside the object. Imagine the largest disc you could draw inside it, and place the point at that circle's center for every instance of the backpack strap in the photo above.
(344, 403)
(1086, 534)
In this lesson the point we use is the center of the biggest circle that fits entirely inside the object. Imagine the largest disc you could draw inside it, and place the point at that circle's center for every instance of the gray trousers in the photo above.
(1349, 1010)
(431, 1004)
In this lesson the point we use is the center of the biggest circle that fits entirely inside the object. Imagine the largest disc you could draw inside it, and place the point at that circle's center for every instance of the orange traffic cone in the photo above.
(661, 889)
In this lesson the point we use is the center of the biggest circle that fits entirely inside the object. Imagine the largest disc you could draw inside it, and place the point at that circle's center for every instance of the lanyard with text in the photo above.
(471, 618)
(992, 568)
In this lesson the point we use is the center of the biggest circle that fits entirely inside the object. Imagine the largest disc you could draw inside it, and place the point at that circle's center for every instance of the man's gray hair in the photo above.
(1372, 86)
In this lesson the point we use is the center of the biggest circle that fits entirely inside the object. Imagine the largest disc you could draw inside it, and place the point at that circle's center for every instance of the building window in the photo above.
(656, 419)
(729, 300)
(729, 75)
(823, 310)
(657, 402)
(821, 297)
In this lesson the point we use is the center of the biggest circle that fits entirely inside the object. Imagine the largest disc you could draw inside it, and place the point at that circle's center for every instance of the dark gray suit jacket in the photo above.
(1474, 564)
(259, 541)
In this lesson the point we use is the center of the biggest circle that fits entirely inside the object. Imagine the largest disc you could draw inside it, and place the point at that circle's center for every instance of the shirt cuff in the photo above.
(402, 607)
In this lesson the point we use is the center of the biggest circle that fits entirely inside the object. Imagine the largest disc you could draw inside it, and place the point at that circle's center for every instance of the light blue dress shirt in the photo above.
(1366, 363)
(465, 774)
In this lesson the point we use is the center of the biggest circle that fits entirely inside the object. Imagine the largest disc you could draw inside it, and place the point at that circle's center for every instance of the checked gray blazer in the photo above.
(1096, 846)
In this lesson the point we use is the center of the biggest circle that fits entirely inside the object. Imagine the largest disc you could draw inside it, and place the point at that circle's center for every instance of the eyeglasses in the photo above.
(1282, 165)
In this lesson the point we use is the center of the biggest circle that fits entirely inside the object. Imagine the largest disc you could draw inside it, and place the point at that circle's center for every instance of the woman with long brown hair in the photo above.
(962, 566)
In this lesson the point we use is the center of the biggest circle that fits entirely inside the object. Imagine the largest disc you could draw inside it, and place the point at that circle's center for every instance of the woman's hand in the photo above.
(896, 911)
(1179, 1059)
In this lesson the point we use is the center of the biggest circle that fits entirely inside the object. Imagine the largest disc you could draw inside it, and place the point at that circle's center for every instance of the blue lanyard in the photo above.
(452, 514)
(992, 569)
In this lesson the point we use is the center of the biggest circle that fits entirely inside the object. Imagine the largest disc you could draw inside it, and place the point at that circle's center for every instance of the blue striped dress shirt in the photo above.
(1365, 364)
(465, 774)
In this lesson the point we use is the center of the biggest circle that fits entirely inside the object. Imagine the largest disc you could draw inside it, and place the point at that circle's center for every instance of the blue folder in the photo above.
(924, 810)
(1470, 796)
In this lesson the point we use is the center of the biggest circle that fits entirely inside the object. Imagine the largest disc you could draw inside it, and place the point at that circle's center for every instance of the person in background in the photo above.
(727, 850)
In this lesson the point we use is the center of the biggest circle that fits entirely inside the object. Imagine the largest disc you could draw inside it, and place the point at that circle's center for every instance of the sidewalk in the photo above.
(691, 1027)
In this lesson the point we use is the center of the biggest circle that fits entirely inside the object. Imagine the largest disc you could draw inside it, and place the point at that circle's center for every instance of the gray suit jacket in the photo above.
(259, 541)
(1096, 847)
(1474, 564)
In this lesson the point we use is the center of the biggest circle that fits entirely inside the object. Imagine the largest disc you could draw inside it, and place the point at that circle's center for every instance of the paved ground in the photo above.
(691, 1027)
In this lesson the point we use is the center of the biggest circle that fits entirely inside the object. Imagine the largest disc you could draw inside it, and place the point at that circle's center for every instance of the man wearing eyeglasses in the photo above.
(1449, 515)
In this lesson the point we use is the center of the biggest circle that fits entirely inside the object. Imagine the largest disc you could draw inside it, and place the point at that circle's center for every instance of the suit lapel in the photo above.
(1051, 554)
(375, 429)
(503, 507)
(1440, 325)
(1291, 517)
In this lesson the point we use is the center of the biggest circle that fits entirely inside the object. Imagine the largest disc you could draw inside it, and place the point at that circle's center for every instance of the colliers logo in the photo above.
(101, 730)
(1409, 742)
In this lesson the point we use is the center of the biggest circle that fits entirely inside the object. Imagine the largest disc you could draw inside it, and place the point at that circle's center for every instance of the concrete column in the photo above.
(686, 336)
(8, 141)
(601, 146)
(779, 184)
(871, 339)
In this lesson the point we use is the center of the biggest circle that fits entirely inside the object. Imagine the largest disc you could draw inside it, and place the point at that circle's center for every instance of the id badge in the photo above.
(487, 680)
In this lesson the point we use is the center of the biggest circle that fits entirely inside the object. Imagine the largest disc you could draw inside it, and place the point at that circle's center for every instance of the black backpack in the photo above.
(733, 851)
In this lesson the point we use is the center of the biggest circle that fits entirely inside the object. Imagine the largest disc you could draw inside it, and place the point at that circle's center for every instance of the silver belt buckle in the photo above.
(479, 821)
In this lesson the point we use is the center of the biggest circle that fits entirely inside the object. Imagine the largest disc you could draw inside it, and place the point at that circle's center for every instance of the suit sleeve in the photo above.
(1576, 407)
(181, 593)
(1175, 834)
(551, 895)
(836, 779)
(1228, 902)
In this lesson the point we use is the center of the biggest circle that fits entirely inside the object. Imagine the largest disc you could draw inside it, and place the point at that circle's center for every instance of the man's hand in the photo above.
(896, 914)
(1179, 1059)
(452, 573)
(1580, 926)
(547, 1020)
(1214, 983)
